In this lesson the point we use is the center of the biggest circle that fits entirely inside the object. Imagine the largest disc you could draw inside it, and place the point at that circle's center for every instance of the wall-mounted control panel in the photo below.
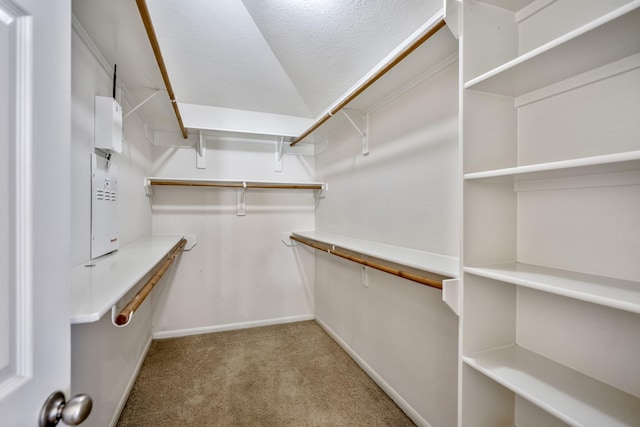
(104, 206)
(108, 124)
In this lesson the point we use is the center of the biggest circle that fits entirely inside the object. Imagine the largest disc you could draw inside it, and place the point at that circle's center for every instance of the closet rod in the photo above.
(151, 34)
(371, 80)
(128, 310)
(238, 185)
(396, 272)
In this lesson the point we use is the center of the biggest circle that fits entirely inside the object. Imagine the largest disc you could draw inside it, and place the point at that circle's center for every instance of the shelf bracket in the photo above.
(242, 208)
(363, 132)
(148, 190)
(451, 294)
(278, 154)
(201, 152)
(147, 99)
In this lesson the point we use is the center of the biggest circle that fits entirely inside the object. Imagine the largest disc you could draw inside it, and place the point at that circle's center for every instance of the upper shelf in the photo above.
(97, 285)
(438, 52)
(605, 291)
(609, 38)
(607, 163)
(426, 261)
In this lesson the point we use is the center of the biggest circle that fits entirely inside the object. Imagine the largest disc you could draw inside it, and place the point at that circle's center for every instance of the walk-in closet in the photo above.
(292, 213)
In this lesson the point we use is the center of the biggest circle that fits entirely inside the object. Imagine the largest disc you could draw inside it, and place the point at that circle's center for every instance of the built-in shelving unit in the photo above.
(98, 285)
(551, 168)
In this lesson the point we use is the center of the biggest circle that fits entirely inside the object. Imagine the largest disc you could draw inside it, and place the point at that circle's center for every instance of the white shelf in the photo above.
(607, 39)
(233, 183)
(426, 261)
(567, 394)
(95, 289)
(608, 163)
(606, 291)
(437, 53)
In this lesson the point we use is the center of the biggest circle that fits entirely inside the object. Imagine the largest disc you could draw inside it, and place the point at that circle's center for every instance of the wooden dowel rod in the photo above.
(238, 185)
(126, 312)
(391, 270)
(371, 80)
(151, 34)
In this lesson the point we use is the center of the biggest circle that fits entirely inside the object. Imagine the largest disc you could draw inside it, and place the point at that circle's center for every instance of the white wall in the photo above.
(104, 359)
(406, 193)
(239, 273)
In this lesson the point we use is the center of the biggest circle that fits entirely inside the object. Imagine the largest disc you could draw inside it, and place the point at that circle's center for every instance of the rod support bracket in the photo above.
(201, 152)
(278, 154)
(242, 208)
(114, 314)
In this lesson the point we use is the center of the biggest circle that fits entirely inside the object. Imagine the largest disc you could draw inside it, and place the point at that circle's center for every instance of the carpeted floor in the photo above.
(284, 375)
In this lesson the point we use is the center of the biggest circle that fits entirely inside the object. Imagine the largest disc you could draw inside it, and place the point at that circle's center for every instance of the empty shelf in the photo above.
(443, 265)
(606, 291)
(99, 284)
(616, 35)
(594, 165)
(567, 394)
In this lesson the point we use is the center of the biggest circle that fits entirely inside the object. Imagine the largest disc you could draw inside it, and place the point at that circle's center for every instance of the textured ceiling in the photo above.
(289, 57)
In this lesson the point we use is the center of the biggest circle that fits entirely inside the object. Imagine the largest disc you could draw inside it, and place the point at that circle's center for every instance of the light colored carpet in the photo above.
(284, 375)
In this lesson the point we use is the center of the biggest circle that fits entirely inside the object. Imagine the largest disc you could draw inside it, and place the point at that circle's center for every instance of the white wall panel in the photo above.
(406, 193)
(239, 271)
(104, 359)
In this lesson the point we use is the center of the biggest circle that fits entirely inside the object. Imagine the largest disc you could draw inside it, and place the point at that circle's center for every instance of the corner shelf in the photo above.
(99, 284)
(606, 291)
(567, 394)
(443, 265)
(616, 35)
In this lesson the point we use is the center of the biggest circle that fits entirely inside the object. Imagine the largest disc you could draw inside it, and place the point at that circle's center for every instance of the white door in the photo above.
(35, 105)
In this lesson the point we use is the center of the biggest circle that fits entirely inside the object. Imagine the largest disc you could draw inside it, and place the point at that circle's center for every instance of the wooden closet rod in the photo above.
(151, 33)
(237, 185)
(396, 272)
(371, 80)
(126, 312)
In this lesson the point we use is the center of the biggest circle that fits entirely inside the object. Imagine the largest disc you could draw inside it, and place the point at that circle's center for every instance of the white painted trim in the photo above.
(132, 381)
(411, 413)
(21, 355)
(231, 326)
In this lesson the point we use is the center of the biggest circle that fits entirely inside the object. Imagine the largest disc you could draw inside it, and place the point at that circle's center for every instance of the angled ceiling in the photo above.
(288, 57)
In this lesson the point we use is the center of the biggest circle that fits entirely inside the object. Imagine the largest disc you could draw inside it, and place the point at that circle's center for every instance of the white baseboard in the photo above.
(127, 391)
(411, 413)
(230, 326)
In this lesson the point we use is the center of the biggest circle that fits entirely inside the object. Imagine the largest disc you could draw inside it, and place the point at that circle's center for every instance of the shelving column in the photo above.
(550, 323)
